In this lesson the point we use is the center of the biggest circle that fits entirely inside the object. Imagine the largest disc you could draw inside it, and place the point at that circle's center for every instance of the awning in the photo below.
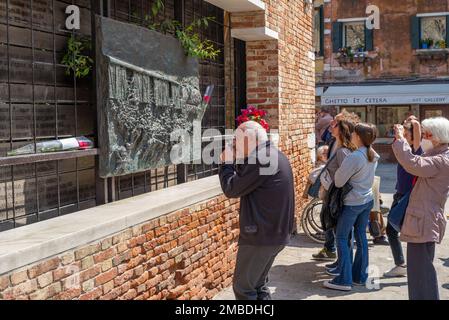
(319, 91)
(386, 95)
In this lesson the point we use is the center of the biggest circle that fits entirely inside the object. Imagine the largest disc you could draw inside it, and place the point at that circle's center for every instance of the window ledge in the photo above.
(432, 54)
(29, 244)
(423, 51)
(354, 60)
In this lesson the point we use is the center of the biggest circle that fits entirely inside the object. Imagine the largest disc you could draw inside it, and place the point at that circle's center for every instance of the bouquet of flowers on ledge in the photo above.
(253, 114)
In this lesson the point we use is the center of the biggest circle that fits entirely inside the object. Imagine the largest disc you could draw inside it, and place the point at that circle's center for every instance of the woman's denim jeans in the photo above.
(393, 237)
(357, 271)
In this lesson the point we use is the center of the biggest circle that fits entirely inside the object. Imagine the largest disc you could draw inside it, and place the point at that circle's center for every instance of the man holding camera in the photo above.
(261, 176)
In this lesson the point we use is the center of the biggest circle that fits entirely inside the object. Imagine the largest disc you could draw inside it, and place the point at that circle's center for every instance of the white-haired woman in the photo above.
(425, 221)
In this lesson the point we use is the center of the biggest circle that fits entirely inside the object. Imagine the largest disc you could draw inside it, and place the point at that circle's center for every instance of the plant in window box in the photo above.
(345, 55)
(360, 55)
(427, 43)
(441, 44)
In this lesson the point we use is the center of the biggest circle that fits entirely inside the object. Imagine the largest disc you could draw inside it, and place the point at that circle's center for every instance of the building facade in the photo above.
(168, 233)
(397, 68)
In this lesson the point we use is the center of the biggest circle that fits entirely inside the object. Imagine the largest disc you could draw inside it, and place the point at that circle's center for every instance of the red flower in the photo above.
(264, 124)
(253, 114)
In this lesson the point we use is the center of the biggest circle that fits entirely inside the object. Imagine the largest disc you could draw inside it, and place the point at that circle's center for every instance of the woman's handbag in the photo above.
(397, 213)
(314, 189)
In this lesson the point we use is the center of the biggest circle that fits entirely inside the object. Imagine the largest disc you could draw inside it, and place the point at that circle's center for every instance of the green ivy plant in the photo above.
(187, 35)
(75, 58)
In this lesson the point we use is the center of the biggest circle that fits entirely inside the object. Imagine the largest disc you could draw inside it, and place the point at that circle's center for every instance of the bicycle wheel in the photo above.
(314, 215)
(310, 224)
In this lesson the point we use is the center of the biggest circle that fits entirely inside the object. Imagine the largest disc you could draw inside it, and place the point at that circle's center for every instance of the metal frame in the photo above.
(11, 166)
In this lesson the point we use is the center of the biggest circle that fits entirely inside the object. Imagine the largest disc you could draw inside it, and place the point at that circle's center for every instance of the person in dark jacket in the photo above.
(263, 180)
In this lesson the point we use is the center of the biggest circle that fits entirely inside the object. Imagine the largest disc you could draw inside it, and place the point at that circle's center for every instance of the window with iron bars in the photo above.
(38, 101)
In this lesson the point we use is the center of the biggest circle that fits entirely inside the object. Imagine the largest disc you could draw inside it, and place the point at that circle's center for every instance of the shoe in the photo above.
(358, 284)
(381, 241)
(333, 272)
(396, 272)
(332, 265)
(325, 255)
(333, 286)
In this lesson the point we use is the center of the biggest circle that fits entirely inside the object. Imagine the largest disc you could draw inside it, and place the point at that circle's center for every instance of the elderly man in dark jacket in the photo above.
(263, 180)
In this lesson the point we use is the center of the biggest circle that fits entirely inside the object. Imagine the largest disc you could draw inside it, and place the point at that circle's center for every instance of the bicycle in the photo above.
(311, 222)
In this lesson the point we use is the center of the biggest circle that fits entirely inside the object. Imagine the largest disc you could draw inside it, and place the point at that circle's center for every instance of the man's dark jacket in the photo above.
(267, 204)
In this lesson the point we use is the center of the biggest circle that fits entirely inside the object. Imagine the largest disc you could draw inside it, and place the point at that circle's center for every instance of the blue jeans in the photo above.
(393, 237)
(357, 270)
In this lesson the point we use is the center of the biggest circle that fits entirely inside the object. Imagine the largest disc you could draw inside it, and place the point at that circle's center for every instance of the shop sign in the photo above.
(379, 100)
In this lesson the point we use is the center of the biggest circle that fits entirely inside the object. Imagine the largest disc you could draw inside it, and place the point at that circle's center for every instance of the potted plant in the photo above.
(427, 43)
(441, 44)
(345, 54)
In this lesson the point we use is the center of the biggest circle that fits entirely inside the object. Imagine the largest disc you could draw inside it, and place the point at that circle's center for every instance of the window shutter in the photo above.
(447, 31)
(337, 36)
(415, 32)
(321, 53)
(369, 39)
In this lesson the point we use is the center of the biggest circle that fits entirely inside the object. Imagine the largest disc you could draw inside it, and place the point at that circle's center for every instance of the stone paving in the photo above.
(295, 276)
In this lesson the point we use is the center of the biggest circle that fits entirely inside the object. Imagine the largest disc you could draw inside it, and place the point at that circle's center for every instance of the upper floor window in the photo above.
(352, 33)
(433, 32)
(429, 31)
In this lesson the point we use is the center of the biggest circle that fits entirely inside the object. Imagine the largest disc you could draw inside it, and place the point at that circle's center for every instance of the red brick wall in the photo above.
(188, 254)
(281, 80)
(263, 78)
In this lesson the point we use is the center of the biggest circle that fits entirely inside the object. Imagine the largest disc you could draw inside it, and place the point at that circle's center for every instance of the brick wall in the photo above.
(393, 56)
(188, 254)
(281, 80)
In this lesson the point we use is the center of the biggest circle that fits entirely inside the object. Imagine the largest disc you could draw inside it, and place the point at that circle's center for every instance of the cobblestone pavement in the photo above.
(296, 276)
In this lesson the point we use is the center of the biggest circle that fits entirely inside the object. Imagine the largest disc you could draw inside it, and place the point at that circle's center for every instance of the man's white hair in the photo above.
(439, 127)
(255, 129)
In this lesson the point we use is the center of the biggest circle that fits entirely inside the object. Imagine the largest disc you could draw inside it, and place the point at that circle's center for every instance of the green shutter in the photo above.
(369, 39)
(447, 31)
(415, 32)
(321, 53)
(337, 36)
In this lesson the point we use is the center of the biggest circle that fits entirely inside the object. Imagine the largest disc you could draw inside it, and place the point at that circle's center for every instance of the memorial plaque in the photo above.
(147, 88)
